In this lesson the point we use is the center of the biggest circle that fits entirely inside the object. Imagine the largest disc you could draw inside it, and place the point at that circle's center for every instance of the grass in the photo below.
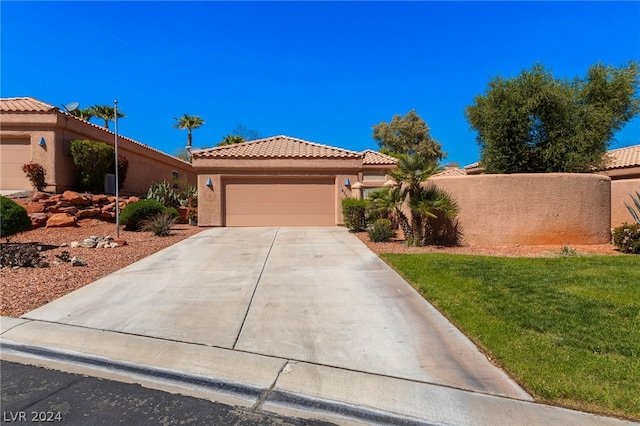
(566, 328)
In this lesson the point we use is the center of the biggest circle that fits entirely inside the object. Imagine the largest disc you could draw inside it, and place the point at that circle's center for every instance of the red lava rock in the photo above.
(61, 220)
(38, 220)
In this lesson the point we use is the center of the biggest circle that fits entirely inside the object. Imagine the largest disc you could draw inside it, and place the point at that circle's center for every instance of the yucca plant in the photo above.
(160, 224)
(636, 201)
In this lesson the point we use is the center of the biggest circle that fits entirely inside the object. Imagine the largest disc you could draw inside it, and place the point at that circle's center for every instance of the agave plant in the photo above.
(636, 201)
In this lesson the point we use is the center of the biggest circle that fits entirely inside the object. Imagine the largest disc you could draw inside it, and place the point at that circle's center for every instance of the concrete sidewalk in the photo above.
(303, 322)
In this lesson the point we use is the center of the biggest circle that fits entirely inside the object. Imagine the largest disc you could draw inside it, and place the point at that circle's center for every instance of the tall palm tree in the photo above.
(106, 112)
(83, 113)
(188, 122)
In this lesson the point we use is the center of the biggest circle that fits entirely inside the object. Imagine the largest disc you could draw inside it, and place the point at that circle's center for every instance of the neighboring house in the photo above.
(280, 181)
(32, 130)
(623, 168)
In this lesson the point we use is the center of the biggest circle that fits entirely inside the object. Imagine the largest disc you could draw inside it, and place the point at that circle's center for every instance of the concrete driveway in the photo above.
(299, 321)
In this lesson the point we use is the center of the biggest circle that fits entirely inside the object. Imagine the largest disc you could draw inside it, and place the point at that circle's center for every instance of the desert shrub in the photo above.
(163, 193)
(25, 255)
(172, 212)
(93, 161)
(160, 223)
(381, 231)
(627, 238)
(135, 213)
(192, 208)
(354, 213)
(36, 174)
(636, 201)
(13, 218)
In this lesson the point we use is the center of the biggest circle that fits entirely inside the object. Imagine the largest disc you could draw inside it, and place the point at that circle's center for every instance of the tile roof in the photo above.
(372, 157)
(276, 147)
(471, 166)
(451, 172)
(623, 157)
(25, 104)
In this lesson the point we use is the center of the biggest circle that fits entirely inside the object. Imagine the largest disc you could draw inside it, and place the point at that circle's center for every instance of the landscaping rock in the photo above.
(75, 198)
(89, 243)
(39, 196)
(119, 241)
(33, 207)
(61, 220)
(91, 212)
(76, 261)
(38, 220)
(74, 244)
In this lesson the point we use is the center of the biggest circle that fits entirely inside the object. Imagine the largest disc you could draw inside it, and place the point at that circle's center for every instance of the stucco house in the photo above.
(623, 168)
(283, 181)
(32, 130)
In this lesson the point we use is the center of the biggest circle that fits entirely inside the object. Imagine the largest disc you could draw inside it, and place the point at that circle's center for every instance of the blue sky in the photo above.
(321, 71)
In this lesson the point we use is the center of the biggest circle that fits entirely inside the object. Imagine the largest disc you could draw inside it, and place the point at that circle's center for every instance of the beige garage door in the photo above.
(13, 154)
(280, 202)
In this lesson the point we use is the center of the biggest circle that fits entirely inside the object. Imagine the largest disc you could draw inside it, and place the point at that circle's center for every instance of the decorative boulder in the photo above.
(76, 199)
(38, 220)
(61, 220)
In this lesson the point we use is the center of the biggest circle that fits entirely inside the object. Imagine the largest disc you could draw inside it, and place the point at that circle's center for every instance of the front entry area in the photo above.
(267, 201)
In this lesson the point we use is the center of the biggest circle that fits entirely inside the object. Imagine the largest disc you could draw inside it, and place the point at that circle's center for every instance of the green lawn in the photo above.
(566, 328)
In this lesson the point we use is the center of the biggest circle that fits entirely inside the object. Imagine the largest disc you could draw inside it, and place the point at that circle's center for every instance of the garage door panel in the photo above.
(280, 202)
(13, 154)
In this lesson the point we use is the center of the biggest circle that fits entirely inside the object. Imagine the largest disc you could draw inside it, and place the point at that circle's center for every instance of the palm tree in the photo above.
(83, 114)
(188, 122)
(106, 112)
(427, 205)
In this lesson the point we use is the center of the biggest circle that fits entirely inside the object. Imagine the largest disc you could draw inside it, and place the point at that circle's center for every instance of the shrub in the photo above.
(627, 238)
(354, 213)
(381, 231)
(163, 193)
(13, 218)
(160, 224)
(93, 160)
(36, 174)
(135, 213)
(172, 212)
(123, 167)
(192, 208)
(22, 255)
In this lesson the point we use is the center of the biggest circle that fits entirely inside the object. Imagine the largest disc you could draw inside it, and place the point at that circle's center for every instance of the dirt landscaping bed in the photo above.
(25, 289)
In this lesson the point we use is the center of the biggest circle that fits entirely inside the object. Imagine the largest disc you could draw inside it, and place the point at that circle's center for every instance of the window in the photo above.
(367, 191)
(373, 176)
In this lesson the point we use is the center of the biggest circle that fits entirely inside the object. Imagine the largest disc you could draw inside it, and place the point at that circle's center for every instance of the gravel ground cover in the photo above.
(25, 289)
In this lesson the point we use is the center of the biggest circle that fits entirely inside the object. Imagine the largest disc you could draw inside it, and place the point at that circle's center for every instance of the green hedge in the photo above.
(137, 212)
(354, 214)
(93, 161)
(13, 218)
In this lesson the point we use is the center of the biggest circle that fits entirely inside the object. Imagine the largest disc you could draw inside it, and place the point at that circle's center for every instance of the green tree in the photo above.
(408, 135)
(93, 161)
(537, 123)
(231, 140)
(431, 211)
(188, 122)
(106, 113)
(183, 154)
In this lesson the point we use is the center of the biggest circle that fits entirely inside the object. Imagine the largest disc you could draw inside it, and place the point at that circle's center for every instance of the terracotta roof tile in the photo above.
(471, 166)
(8, 105)
(372, 157)
(276, 147)
(451, 172)
(623, 157)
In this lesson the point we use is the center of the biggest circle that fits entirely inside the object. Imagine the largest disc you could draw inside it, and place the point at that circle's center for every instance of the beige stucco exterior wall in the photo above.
(146, 165)
(620, 194)
(550, 208)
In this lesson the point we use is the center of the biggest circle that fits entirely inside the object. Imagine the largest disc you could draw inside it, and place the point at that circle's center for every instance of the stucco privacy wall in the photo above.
(550, 208)
(620, 194)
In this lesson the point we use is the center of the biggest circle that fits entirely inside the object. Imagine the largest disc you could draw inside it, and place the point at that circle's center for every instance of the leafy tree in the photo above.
(246, 133)
(93, 161)
(107, 113)
(537, 123)
(183, 154)
(408, 135)
(431, 211)
(231, 140)
(84, 114)
(188, 122)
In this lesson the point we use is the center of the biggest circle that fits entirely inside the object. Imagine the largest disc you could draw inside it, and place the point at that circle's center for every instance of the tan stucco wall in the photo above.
(553, 208)
(620, 194)
(146, 165)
